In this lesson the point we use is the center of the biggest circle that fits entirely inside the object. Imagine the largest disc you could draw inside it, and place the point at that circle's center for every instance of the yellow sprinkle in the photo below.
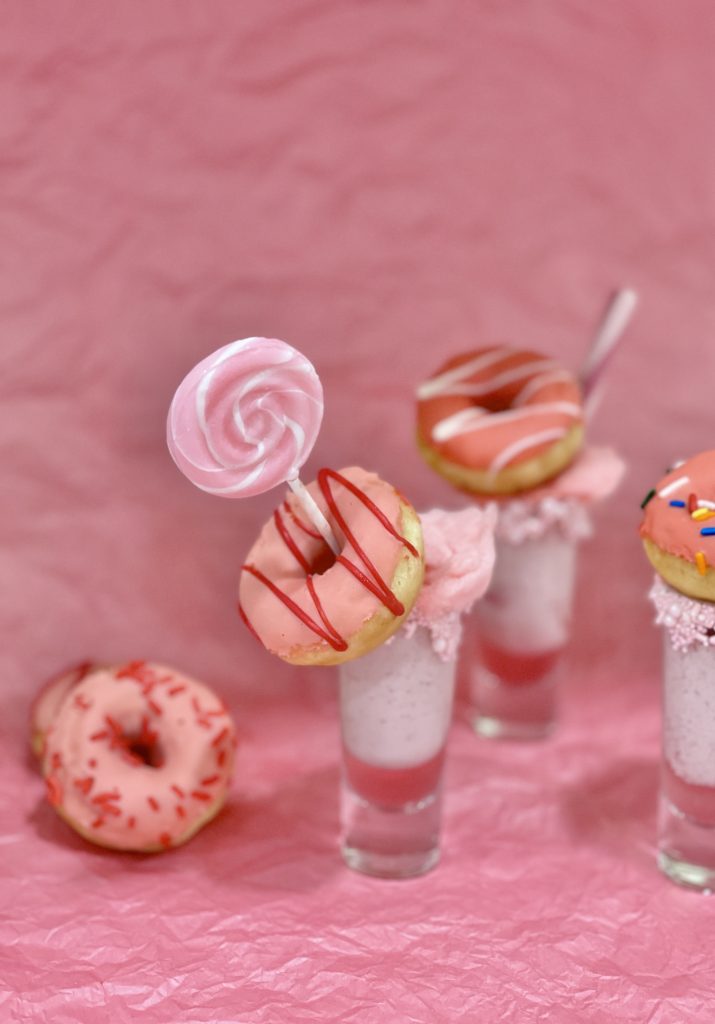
(701, 562)
(703, 513)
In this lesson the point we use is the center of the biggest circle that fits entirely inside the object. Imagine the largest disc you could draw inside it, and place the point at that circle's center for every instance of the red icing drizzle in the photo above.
(300, 524)
(376, 585)
(289, 542)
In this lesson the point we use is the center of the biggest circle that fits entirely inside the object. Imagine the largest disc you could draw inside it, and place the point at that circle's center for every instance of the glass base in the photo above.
(686, 849)
(512, 711)
(390, 842)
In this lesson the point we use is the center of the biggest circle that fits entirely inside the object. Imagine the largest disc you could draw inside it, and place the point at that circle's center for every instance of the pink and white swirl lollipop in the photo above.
(245, 419)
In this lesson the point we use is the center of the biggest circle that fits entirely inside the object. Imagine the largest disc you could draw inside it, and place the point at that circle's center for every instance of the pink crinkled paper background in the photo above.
(381, 184)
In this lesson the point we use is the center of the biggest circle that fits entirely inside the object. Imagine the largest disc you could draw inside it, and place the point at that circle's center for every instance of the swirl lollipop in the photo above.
(245, 419)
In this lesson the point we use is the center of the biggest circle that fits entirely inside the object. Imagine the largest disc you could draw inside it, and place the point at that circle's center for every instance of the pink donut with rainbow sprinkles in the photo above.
(138, 757)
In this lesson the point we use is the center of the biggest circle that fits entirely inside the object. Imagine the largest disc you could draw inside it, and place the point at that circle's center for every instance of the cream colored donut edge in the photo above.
(680, 573)
(512, 479)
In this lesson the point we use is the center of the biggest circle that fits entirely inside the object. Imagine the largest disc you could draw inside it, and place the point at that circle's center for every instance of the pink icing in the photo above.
(245, 418)
(672, 528)
(109, 793)
(563, 503)
(347, 603)
(496, 407)
(689, 622)
(459, 559)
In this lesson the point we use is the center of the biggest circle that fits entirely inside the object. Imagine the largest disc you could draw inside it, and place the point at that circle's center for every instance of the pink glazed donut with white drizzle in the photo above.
(499, 420)
(138, 757)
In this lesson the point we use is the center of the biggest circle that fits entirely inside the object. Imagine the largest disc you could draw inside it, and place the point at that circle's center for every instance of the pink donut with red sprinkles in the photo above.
(139, 757)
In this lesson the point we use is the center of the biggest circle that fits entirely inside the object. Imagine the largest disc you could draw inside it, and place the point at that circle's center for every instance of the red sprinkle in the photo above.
(81, 702)
(175, 690)
(97, 822)
(180, 811)
(54, 790)
(131, 822)
(56, 760)
(179, 792)
(165, 839)
(103, 798)
(99, 736)
(131, 670)
(219, 737)
(84, 785)
(92, 762)
(153, 803)
(154, 706)
(210, 779)
(221, 758)
(198, 795)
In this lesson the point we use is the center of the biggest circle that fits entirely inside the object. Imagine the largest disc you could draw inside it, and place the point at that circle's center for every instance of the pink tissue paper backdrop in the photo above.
(381, 184)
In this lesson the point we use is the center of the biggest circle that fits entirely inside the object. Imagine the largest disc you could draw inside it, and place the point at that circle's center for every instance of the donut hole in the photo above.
(142, 745)
(323, 560)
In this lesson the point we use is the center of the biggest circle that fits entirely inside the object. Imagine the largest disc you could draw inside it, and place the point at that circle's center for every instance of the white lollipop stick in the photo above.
(309, 506)
(609, 333)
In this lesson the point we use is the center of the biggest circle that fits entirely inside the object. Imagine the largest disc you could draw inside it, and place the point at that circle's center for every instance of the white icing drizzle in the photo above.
(463, 422)
(508, 454)
(674, 486)
(437, 385)
(542, 380)
(487, 387)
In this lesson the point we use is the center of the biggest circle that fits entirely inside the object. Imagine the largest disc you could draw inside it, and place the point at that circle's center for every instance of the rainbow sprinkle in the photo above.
(648, 497)
(701, 562)
(702, 513)
(677, 504)
(708, 531)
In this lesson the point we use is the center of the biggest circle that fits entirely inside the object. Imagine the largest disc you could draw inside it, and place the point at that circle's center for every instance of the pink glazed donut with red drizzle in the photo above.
(310, 607)
(499, 420)
(138, 757)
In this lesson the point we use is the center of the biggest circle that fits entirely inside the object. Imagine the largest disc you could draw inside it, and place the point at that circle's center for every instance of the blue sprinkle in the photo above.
(707, 531)
(678, 504)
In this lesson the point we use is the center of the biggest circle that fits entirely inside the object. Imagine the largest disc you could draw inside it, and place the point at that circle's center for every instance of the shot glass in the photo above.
(686, 815)
(517, 634)
(395, 710)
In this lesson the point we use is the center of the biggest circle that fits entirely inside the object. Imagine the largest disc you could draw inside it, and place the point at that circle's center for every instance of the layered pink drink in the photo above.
(396, 707)
(518, 632)
(686, 830)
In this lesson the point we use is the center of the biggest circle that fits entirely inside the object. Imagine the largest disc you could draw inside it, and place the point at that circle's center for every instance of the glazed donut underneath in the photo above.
(49, 700)
(499, 420)
(310, 608)
(139, 757)
(677, 511)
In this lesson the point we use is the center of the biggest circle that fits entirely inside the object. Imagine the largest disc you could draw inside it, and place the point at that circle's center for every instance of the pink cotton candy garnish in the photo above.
(245, 419)
(592, 476)
(459, 558)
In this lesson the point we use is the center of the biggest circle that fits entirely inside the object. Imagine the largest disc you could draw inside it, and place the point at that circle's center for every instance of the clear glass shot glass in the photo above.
(686, 814)
(516, 636)
(395, 710)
